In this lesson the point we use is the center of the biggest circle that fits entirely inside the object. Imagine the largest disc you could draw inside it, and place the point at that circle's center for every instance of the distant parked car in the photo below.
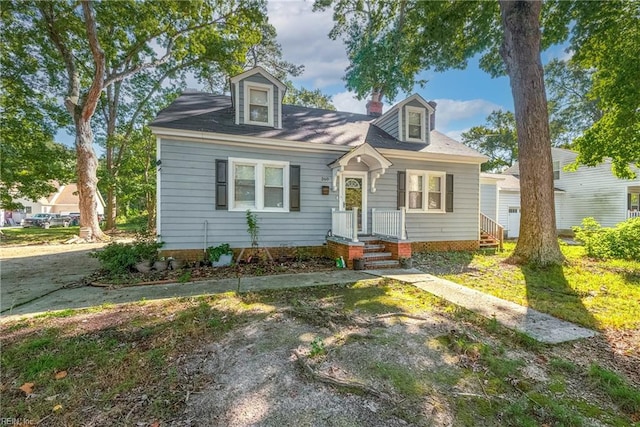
(46, 220)
(75, 218)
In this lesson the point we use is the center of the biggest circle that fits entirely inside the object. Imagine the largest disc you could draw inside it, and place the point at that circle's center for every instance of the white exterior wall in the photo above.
(489, 200)
(589, 191)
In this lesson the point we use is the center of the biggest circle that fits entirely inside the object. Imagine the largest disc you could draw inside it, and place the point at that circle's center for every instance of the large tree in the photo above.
(84, 48)
(30, 161)
(497, 139)
(445, 34)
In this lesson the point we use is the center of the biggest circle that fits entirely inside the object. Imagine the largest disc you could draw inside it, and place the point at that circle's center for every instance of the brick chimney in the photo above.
(374, 106)
(432, 118)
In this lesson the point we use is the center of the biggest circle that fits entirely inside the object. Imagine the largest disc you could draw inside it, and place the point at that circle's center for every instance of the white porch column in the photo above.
(403, 229)
(355, 224)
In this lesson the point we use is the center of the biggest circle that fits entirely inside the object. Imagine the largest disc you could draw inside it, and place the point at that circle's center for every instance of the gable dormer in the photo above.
(257, 98)
(411, 120)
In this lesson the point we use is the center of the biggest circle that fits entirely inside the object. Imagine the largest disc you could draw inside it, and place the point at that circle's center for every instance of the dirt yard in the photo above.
(373, 354)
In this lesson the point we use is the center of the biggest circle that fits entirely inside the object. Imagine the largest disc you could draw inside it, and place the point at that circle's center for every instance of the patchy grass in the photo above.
(593, 293)
(133, 364)
(37, 235)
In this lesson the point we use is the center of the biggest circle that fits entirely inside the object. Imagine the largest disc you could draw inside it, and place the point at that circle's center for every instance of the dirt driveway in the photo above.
(30, 272)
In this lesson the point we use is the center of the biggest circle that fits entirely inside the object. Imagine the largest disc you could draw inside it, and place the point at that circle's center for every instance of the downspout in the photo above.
(206, 237)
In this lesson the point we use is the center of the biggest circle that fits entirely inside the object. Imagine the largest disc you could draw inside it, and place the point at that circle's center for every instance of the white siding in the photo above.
(589, 191)
(488, 200)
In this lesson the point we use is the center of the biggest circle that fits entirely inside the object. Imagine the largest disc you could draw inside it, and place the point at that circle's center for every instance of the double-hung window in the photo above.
(556, 169)
(425, 191)
(260, 185)
(258, 104)
(415, 124)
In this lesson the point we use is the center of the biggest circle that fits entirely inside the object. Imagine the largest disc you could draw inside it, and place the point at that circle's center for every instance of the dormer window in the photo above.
(416, 124)
(259, 104)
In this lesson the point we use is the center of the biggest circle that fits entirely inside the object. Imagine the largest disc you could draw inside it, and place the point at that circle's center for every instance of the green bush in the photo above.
(119, 258)
(215, 252)
(622, 242)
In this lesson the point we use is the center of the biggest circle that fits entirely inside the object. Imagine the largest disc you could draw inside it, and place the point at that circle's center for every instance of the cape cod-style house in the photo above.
(372, 186)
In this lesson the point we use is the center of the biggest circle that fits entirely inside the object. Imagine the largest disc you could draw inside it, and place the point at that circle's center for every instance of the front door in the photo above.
(353, 193)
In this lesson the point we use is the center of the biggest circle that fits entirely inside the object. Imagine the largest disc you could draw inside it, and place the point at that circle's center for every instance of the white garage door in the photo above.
(514, 222)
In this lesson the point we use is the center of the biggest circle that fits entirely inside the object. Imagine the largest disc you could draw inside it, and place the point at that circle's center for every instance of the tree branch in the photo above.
(73, 86)
(126, 72)
(93, 95)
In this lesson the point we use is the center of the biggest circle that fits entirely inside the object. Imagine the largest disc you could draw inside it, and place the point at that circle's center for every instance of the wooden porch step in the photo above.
(373, 247)
(387, 263)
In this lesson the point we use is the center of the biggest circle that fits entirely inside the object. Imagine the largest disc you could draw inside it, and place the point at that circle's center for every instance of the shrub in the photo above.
(215, 252)
(621, 242)
(119, 258)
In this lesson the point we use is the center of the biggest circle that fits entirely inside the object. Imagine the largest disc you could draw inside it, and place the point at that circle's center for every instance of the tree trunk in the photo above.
(520, 50)
(86, 167)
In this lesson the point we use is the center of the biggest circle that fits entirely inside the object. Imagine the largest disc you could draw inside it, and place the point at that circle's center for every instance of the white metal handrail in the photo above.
(389, 222)
(633, 214)
(345, 224)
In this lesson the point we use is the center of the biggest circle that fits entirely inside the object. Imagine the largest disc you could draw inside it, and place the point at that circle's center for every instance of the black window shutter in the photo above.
(449, 194)
(402, 194)
(294, 188)
(628, 201)
(221, 185)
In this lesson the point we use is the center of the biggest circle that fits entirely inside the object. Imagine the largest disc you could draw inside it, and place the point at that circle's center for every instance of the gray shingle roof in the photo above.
(203, 112)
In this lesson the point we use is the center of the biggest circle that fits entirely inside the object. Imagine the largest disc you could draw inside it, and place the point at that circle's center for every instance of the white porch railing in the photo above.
(633, 214)
(345, 224)
(390, 223)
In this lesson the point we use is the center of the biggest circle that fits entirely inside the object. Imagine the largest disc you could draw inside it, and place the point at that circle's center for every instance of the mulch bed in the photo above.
(197, 272)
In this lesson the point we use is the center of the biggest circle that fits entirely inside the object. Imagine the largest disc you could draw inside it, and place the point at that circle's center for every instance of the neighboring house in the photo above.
(64, 200)
(586, 192)
(315, 178)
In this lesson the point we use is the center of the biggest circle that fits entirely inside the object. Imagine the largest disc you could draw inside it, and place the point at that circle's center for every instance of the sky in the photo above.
(464, 97)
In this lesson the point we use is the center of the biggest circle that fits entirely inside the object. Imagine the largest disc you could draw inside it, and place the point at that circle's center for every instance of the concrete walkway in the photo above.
(540, 326)
(89, 296)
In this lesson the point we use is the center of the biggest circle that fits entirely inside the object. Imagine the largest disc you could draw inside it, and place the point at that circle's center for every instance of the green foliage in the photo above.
(119, 258)
(317, 347)
(621, 242)
(252, 227)
(215, 252)
(497, 139)
(571, 110)
(606, 41)
(307, 98)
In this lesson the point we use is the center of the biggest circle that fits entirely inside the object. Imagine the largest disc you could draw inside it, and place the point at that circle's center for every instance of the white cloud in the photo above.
(450, 110)
(346, 101)
(303, 35)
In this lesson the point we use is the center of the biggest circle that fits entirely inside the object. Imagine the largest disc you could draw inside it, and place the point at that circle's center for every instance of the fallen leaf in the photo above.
(155, 424)
(27, 388)
(57, 408)
(60, 375)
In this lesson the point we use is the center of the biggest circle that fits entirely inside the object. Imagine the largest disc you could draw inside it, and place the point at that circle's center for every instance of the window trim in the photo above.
(423, 115)
(259, 165)
(425, 190)
(554, 163)
(270, 114)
